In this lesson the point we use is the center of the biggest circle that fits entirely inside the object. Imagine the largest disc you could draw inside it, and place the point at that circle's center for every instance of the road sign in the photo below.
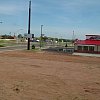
(28, 35)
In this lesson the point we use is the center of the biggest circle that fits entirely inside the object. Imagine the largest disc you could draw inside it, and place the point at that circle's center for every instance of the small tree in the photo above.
(66, 45)
(20, 36)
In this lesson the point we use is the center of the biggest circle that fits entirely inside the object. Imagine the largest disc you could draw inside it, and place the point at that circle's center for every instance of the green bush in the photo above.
(33, 46)
(1, 45)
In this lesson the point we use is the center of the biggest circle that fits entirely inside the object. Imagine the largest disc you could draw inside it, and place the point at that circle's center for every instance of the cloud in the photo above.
(12, 9)
(7, 9)
(71, 6)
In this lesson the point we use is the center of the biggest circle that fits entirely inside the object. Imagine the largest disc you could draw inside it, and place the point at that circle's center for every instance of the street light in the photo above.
(41, 37)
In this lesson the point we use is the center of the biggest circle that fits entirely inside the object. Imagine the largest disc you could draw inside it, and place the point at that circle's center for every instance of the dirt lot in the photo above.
(26, 75)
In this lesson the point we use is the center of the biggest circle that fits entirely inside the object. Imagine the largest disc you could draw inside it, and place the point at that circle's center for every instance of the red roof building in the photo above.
(90, 45)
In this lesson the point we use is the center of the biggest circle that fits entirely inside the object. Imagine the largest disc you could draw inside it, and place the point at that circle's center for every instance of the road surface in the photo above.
(10, 48)
(87, 54)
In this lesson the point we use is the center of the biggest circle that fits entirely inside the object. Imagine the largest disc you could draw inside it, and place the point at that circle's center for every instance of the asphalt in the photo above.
(21, 47)
(87, 54)
(11, 48)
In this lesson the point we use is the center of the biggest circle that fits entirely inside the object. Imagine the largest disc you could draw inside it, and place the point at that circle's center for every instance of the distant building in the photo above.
(90, 45)
(0, 37)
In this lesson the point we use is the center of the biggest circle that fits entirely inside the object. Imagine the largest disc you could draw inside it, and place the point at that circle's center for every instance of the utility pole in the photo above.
(73, 35)
(73, 38)
(41, 37)
(29, 22)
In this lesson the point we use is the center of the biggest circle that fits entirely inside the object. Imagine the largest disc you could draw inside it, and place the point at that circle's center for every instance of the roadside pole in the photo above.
(41, 37)
(29, 21)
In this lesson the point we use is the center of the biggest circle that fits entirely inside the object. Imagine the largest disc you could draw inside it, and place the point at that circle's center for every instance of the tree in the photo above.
(44, 38)
(20, 36)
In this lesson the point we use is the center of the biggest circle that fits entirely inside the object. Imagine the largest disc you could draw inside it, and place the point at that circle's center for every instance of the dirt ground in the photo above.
(27, 75)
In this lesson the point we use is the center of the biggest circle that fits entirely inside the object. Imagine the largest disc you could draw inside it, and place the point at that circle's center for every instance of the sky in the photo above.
(58, 17)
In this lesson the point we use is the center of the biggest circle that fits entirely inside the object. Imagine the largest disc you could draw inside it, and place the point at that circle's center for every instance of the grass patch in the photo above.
(36, 49)
(2, 41)
(33, 50)
(7, 41)
(1, 45)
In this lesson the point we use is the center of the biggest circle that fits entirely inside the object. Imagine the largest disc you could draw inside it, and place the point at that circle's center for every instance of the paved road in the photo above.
(10, 48)
(87, 54)
(24, 46)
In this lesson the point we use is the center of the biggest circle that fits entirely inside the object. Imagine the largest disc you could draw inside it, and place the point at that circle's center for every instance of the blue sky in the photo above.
(58, 17)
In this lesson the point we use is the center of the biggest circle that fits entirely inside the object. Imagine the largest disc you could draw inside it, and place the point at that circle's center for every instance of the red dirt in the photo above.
(26, 75)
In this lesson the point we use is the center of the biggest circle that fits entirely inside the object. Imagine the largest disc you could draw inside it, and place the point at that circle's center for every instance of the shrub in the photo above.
(33, 46)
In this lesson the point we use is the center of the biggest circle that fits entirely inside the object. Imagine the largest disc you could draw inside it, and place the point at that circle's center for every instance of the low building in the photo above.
(90, 45)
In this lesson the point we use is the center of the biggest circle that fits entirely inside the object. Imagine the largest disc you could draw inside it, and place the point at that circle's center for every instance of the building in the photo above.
(90, 45)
